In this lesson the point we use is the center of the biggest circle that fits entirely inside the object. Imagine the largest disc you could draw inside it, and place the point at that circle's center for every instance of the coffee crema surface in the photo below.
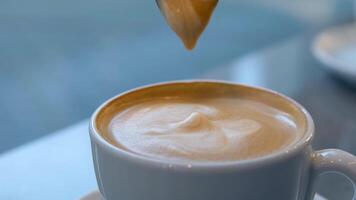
(187, 128)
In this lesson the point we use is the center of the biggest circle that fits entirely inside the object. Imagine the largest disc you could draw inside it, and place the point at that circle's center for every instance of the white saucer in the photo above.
(95, 195)
(336, 49)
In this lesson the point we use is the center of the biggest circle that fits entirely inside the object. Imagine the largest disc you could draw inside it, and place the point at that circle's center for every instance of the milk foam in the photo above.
(213, 129)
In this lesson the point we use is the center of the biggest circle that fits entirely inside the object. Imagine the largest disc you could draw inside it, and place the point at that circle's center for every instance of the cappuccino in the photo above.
(202, 124)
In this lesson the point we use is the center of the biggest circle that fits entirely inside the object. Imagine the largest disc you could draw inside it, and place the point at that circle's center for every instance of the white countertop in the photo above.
(58, 166)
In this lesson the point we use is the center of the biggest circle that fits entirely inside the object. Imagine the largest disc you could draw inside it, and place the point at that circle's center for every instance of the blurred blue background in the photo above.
(60, 59)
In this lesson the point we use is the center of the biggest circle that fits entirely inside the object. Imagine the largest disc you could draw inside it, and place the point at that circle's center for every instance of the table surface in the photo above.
(59, 166)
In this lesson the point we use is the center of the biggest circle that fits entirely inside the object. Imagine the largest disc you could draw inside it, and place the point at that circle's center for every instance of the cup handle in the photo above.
(332, 160)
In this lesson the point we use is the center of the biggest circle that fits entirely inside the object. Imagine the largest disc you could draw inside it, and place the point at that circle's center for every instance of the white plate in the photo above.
(95, 195)
(336, 49)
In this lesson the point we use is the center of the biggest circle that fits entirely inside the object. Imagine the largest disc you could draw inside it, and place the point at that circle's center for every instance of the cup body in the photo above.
(281, 176)
(121, 178)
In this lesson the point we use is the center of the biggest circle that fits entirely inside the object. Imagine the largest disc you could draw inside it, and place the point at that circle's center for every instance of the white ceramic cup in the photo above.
(290, 174)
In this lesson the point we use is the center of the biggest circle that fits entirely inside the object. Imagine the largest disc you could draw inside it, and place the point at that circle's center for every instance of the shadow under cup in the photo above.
(125, 175)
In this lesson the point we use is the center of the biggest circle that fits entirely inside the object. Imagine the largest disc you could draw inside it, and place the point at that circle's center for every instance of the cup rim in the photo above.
(205, 166)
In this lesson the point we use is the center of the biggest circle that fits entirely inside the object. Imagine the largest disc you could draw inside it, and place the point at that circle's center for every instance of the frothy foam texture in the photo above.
(206, 129)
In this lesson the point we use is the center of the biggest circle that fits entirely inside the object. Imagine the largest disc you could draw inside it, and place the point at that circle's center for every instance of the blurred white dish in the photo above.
(336, 49)
(95, 195)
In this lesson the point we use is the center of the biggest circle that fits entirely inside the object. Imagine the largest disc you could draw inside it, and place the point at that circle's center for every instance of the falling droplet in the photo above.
(188, 18)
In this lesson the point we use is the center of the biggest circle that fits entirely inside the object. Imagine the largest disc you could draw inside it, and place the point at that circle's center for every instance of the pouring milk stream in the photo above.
(188, 18)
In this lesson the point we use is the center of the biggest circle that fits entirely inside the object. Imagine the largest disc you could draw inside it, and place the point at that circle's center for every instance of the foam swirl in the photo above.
(209, 130)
